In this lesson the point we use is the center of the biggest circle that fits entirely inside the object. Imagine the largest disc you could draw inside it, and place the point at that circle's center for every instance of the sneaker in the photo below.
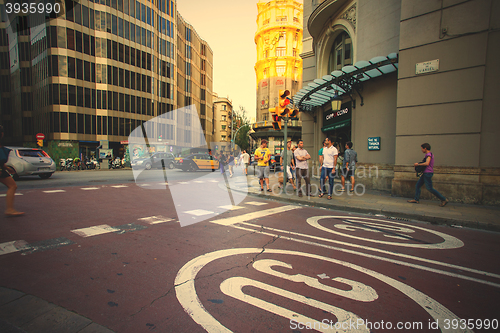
(443, 203)
(342, 190)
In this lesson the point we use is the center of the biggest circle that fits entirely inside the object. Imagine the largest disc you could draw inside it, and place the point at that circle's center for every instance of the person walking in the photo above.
(302, 169)
(230, 163)
(294, 166)
(290, 163)
(350, 160)
(222, 161)
(7, 179)
(262, 156)
(245, 160)
(426, 177)
(330, 154)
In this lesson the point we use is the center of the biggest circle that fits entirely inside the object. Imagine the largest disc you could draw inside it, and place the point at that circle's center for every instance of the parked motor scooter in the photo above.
(62, 164)
(69, 164)
(115, 164)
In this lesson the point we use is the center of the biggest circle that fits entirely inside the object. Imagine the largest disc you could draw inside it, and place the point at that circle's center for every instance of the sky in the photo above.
(229, 27)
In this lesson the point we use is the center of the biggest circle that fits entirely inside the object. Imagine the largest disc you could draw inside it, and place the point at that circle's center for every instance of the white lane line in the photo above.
(199, 212)
(399, 262)
(95, 230)
(256, 203)
(166, 183)
(199, 181)
(213, 181)
(230, 207)
(183, 183)
(5, 194)
(54, 191)
(89, 188)
(11, 247)
(155, 219)
(144, 184)
(119, 186)
(254, 215)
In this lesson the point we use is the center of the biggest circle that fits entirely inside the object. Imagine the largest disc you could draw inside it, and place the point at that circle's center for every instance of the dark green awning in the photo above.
(336, 125)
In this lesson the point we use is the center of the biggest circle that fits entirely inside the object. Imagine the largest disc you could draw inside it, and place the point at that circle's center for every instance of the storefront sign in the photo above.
(331, 117)
(374, 143)
(427, 67)
(65, 144)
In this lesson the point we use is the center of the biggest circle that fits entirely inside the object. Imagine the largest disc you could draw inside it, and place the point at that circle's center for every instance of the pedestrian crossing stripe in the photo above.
(89, 188)
(256, 203)
(231, 207)
(119, 186)
(13, 246)
(199, 212)
(155, 219)
(54, 191)
(95, 230)
(5, 194)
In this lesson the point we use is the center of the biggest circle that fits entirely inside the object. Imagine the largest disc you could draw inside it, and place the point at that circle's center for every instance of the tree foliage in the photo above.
(241, 126)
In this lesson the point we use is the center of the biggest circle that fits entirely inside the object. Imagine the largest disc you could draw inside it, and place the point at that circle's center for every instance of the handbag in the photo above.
(419, 169)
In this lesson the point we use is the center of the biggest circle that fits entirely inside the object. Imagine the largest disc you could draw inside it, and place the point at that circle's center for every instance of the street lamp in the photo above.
(336, 102)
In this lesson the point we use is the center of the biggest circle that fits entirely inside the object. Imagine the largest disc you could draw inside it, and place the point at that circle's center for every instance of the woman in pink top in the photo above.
(426, 177)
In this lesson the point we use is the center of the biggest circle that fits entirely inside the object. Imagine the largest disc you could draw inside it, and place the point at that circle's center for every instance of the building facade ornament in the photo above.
(350, 16)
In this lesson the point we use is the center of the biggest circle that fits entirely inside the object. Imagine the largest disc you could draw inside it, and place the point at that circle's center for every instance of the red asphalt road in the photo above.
(126, 281)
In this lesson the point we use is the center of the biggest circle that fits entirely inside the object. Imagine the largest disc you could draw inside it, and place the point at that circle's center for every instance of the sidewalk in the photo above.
(383, 203)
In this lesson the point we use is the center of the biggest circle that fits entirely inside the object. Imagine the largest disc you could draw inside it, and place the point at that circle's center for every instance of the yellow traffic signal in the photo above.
(276, 122)
(284, 101)
(294, 114)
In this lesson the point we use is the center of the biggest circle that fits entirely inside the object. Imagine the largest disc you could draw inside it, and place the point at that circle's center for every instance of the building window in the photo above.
(281, 18)
(341, 52)
(223, 138)
(223, 127)
(223, 117)
(223, 107)
(280, 70)
(280, 51)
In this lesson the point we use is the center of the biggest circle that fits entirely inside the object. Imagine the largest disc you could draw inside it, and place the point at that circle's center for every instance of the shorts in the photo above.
(262, 172)
(245, 165)
(347, 173)
(4, 174)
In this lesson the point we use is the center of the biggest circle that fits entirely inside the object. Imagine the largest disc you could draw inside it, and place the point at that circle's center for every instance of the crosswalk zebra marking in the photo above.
(199, 212)
(95, 230)
(155, 219)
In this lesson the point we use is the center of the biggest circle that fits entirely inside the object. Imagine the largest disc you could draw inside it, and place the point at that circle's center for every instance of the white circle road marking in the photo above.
(186, 291)
(449, 242)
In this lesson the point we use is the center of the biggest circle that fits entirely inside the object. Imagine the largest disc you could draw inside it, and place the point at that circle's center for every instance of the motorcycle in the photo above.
(62, 164)
(115, 164)
(69, 164)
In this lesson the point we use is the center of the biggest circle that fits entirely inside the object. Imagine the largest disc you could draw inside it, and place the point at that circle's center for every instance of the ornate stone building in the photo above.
(407, 72)
(279, 66)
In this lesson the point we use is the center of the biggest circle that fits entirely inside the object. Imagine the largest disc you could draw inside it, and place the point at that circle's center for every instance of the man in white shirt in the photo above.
(245, 159)
(330, 154)
(301, 155)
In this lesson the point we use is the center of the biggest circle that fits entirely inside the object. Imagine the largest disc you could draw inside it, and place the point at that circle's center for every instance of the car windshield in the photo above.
(30, 153)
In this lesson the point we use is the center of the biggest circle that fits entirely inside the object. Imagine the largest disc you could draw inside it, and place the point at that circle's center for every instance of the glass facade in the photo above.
(96, 72)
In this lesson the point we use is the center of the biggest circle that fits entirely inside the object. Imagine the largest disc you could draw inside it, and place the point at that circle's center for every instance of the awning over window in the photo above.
(349, 78)
(336, 125)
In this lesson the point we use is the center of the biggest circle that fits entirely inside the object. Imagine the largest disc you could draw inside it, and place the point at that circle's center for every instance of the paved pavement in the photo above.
(20, 312)
(383, 203)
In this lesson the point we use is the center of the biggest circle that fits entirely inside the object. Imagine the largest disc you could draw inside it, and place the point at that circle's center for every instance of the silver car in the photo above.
(30, 162)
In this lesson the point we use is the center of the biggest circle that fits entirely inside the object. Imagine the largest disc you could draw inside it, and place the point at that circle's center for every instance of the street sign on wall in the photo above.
(374, 143)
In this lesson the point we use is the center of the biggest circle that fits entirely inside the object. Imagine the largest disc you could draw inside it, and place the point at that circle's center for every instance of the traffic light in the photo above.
(283, 104)
(276, 122)
(40, 143)
(294, 114)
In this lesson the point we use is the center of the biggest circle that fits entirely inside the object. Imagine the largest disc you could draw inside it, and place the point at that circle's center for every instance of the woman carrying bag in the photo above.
(7, 180)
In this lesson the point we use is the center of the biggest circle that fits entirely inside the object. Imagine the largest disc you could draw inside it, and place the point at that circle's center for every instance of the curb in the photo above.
(451, 222)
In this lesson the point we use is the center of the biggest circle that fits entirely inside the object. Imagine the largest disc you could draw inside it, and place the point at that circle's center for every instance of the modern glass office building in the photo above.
(98, 70)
